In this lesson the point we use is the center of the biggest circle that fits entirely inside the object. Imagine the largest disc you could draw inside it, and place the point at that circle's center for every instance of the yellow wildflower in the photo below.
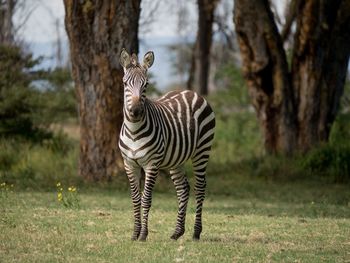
(58, 184)
(59, 197)
(72, 189)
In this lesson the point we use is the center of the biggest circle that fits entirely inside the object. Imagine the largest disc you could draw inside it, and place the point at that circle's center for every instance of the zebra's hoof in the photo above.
(196, 237)
(176, 235)
(142, 238)
(135, 235)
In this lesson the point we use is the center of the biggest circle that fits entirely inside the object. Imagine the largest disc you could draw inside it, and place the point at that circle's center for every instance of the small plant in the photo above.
(5, 190)
(68, 198)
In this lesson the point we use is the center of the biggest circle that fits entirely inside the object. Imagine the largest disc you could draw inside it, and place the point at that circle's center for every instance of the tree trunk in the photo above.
(200, 65)
(265, 69)
(319, 64)
(296, 107)
(97, 31)
(7, 8)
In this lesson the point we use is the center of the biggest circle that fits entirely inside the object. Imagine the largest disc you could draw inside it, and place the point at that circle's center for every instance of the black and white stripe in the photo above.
(163, 134)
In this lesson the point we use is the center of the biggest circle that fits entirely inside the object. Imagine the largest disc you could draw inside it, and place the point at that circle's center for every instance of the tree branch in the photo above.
(291, 13)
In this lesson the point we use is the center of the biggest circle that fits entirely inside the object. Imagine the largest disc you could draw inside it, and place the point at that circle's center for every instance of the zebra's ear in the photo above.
(125, 59)
(148, 59)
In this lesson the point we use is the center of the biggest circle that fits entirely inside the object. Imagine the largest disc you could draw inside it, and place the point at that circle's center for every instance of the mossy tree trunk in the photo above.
(97, 31)
(295, 105)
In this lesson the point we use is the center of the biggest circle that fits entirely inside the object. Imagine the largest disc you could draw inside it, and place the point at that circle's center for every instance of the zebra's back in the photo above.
(188, 123)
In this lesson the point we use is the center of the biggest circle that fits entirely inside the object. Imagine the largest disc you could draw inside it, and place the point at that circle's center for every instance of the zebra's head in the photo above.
(135, 82)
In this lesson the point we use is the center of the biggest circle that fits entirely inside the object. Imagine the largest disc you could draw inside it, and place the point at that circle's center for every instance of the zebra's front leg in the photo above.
(134, 176)
(182, 191)
(146, 201)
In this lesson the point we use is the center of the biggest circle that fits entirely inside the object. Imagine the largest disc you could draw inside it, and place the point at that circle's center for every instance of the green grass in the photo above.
(245, 220)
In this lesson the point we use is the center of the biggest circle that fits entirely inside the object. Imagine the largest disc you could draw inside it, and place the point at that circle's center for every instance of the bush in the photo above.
(39, 166)
(15, 93)
(55, 99)
(30, 101)
(329, 160)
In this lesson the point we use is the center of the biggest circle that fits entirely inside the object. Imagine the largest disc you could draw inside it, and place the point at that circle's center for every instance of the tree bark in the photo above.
(200, 65)
(7, 8)
(320, 57)
(296, 107)
(97, 31)
(265, 69)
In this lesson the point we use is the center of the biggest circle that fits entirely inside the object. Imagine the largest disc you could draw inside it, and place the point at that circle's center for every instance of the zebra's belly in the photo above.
(176, 155)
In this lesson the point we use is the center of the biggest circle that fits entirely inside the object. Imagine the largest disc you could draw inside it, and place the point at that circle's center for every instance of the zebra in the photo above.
(163, 134)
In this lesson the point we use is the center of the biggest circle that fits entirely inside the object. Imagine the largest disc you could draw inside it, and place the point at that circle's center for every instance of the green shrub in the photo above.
(15, 92)
(39, 166)
(30, 101)
(329, 160)
(55, 99)
(59, 143)
(234, 91)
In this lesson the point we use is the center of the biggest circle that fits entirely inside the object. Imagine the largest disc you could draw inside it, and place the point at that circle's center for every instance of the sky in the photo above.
(40, 26)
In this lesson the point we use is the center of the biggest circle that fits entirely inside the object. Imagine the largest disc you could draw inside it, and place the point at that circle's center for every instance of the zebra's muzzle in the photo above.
(136, 111)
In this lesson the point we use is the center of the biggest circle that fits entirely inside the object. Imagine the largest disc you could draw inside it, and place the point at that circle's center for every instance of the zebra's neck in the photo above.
(135, 126)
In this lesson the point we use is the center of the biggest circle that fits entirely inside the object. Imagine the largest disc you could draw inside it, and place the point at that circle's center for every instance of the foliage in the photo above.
(237, 135)
(68, 198)
(329, 160)
(16, 107)
(32, 165)
(233, 88)
(30, 101)
(181, 52)
(332, 159)
(56, 100)
(5, 190)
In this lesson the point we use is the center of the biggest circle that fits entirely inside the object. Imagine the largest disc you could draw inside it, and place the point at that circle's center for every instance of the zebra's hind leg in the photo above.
(134, 177)
(199, 169)
(182, 191)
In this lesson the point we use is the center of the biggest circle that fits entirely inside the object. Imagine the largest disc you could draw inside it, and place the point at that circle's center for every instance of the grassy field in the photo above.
(245, 220)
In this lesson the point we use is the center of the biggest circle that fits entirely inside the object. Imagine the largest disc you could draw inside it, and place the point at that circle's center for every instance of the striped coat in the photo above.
(163, 134)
